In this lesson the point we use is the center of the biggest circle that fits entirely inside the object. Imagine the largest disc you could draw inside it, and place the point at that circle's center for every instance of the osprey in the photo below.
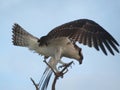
(61, 42)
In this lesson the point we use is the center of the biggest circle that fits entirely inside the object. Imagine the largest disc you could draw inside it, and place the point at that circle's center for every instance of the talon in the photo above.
(61, 66)
(45, 61)
(70, 66)
(73, 63)
(59, 74)
(66, 71)
(66, 65)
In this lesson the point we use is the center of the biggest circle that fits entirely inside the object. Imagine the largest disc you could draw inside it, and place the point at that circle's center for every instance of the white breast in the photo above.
(66, 46)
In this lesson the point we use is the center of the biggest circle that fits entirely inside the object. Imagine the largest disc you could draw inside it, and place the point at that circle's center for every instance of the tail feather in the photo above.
(21, 37)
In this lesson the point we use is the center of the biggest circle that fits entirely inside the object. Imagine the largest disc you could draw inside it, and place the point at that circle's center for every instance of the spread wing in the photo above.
(88, 33)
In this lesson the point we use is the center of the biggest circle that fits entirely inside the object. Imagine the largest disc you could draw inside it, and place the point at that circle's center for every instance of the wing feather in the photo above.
(112, 44)
(81, 37)
(89, 40)
(101, 45)
(84, 41)
(108, 46)
(88, 33)
(95, 43)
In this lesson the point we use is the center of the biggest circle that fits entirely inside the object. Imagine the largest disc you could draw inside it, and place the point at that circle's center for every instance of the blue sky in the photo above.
(18, 64)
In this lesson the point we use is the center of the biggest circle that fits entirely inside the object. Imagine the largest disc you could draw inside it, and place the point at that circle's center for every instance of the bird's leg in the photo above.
(62, 72)
(52, 64)
(59, 73)
(54, 61)
(63, 64)
(49, 65)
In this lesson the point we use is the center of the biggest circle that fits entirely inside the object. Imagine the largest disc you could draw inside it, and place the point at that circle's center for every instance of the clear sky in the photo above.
(18, 64)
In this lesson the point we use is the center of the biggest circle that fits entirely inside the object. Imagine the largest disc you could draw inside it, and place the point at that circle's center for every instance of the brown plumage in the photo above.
(88, 33)
(20, 37)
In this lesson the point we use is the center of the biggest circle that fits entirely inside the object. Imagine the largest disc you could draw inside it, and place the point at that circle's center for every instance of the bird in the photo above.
(62, 40)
